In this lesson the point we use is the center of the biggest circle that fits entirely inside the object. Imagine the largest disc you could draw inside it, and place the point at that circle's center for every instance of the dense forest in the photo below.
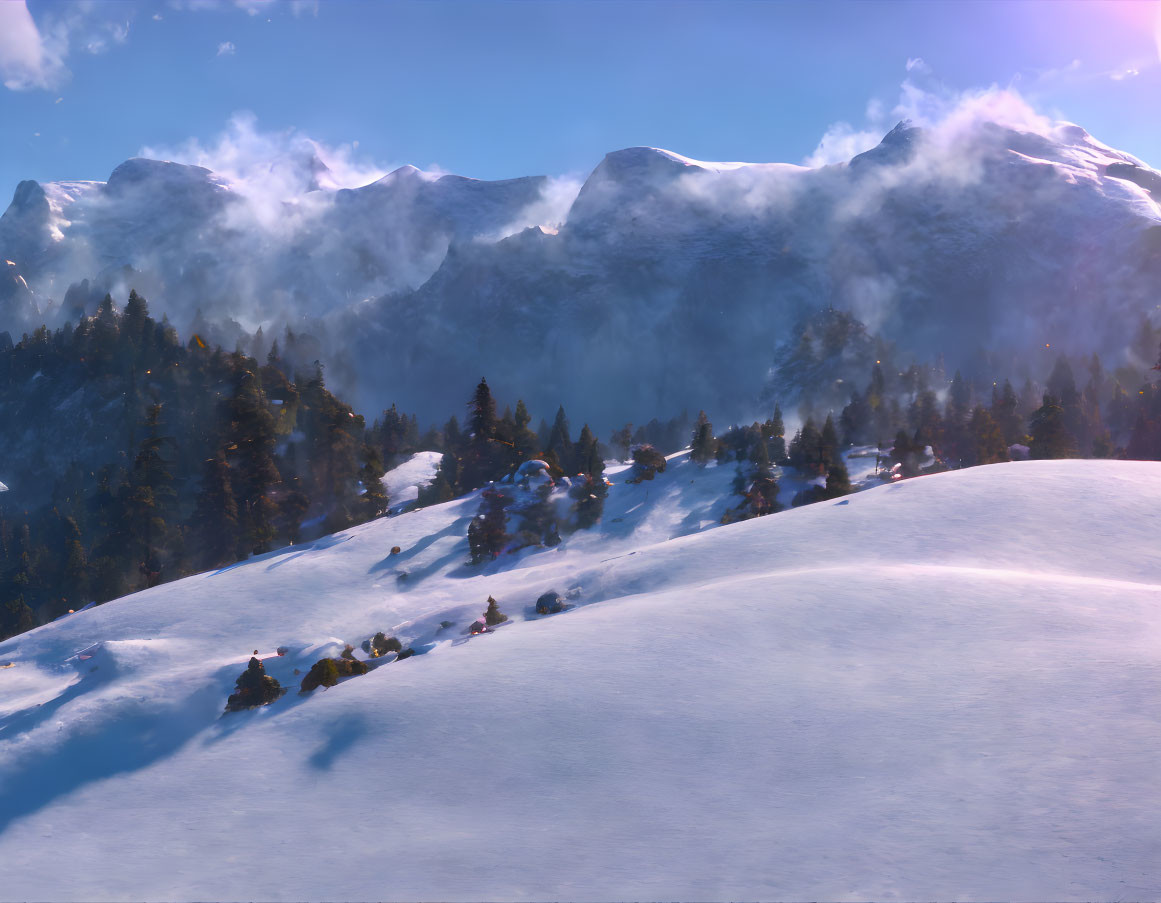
(135, 458)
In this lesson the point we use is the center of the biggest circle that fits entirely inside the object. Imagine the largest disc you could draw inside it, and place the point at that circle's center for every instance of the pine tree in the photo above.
(702, 445)
(560, 442)
(1050, 435)
(986, 443)
(488, 531)
(374, 502)
(1007, 413)
(838, 480)
(622, 440)
(150, 502)
(590, 501)
(775, 433)
(588, 454)
(253, 438)
(524, 441)
(493, 615)
(215, 520)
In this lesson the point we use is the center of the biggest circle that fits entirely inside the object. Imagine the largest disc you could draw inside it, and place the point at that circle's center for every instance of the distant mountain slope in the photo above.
(669, 284)
(942, 688)
(673, 281)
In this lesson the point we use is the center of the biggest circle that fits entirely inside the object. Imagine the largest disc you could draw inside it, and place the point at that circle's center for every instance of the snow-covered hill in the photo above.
(941, 688)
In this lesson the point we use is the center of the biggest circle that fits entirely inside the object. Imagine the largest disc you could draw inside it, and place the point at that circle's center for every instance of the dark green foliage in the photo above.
(807, 452)
(588, 456)
(559, 442)
(380, 644)
(647, 463)
(1050, 435)
(550, 603)
(838, 480)
(1007, 414)
(590, 501)
(323, 673)
(215, 521)
(254, 687)
(493, 615)
(406, 653)
(702, 445)
(986, 442)
(488, 531)
(373, 502)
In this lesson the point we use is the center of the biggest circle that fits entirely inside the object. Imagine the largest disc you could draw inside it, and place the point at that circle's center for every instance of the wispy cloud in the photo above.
(227, 48)
(33, 54)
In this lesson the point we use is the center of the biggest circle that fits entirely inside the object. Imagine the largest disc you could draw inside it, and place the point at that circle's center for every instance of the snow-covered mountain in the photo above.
(943, 688)
(668, 285)
(189, 240)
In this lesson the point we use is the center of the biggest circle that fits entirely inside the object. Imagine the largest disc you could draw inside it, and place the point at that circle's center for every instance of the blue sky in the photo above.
(497, 90)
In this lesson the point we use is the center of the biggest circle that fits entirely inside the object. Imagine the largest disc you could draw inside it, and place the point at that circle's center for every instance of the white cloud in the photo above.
(841, 142)
(27, 59)
(227, 48)
(33, 54)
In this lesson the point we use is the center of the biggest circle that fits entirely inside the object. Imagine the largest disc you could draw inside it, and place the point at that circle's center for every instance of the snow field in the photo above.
(941, 688)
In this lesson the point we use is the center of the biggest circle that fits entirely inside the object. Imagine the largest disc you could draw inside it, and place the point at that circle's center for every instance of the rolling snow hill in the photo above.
(940, 688)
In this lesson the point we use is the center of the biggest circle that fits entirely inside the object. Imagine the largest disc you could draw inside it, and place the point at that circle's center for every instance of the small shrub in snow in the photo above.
(478, 627)
(406, 653)
(254, 687)
(493, 615)
(549, 604)
(327, 671)
(323, 673)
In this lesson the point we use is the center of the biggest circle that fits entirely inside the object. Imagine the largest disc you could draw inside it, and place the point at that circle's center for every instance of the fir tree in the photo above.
(215, 520)
(493, 615)
(702, 446)
(1050, 436)
(560, 442)
(373, 503)
(986, 443)
(588, 454)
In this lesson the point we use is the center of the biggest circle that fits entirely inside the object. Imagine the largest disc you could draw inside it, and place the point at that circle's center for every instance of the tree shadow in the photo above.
(458, 527)
(119, 745)
(340, 737)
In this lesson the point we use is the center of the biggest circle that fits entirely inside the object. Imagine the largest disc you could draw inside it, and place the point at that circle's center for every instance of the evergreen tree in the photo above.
(775, 433)
(251, 428)
(702, 446)
(588, 454)
(838, 480)
(524, 441)
(560, 442)
(374, 501)
(622, 441)
(488, 531)
(986, 444)
(150, 502)
(493, 615)
(590, 500)
(1008, 415)
(1050, 436)
(215, 520)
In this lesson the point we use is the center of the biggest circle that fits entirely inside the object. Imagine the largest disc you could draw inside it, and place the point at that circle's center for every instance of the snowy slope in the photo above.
(943, 688)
